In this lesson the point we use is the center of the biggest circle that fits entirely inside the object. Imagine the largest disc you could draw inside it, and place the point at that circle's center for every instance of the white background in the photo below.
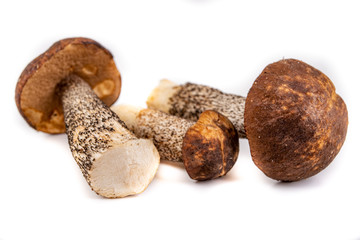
(221, 43)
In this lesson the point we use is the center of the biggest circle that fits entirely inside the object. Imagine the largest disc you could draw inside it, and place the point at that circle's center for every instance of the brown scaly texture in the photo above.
(190, 100)
(294, 120)
(92, 128)
(166, 131)
(35, 90)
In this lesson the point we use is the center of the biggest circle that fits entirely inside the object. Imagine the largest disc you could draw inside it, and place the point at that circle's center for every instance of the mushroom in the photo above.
(69, 87)
(294, 120)
(190, 100)
(208, 148)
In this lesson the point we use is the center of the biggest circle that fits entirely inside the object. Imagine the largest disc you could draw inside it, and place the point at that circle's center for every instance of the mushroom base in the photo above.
(124, 170)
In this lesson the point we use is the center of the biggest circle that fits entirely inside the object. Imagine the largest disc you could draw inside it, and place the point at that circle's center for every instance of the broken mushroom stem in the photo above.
(114, 162)
(98, 139)
(208, 148)
(189, 100)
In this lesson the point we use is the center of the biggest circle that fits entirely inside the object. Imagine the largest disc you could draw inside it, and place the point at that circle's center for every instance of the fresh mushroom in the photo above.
(294, 120)
(208, 148)
(190, 100)
(69, 87)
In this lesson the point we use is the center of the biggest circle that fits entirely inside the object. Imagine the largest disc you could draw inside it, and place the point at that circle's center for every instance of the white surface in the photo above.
(220, 43)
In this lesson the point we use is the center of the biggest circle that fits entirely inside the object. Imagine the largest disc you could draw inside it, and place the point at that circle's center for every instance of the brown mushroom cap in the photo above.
(210, 147)
(35, 94)
(294, 120)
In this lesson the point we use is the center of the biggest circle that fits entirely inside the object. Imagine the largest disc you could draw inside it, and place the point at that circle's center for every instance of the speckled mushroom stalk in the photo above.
(190, 100)
(114, 162)
(208, 148)
(69, 88)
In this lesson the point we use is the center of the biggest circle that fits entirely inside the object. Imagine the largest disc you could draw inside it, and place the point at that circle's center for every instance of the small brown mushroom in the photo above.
(208, 148)
(69, 87)
(294, 120)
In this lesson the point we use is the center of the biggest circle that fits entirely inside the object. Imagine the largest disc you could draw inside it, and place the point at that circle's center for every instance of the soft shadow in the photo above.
(230, 177)
(172, 171)
(311, 182)
(179, 165)
(244, 148)
(221, 180)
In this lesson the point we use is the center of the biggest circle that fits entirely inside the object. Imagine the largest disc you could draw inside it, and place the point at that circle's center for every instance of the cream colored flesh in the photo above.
(159, 97)
(125, 170)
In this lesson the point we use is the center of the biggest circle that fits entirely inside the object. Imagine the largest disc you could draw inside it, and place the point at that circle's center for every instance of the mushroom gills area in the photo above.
(82, 57)
(126, 169)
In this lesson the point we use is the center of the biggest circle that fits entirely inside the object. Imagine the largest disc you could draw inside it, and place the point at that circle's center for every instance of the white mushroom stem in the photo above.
(114, 162)
(166, 131)
(190, 100)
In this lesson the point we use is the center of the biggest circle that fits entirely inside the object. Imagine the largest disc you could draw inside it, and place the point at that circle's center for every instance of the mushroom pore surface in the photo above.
(35, 91)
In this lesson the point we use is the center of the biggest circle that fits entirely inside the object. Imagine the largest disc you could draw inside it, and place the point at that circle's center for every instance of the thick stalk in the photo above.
(190, 100)
(166, 131)
(101, 143)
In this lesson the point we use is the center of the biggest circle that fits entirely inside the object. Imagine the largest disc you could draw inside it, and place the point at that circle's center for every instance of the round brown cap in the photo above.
(294, 120)
(35, 94)
(210, 147)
